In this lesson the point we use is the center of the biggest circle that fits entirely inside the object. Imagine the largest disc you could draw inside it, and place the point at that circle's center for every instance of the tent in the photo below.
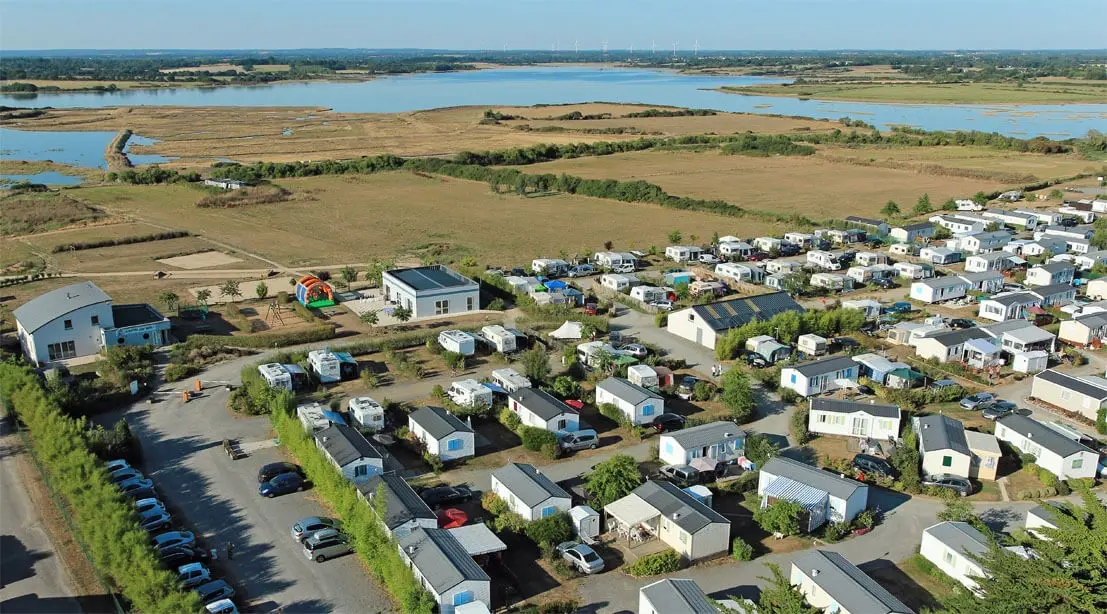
(554, 284)
(569, 330)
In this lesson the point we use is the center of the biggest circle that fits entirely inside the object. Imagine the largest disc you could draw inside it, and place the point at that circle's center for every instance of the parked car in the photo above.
(126, 473)
(580, 440)
(636, 350)
(223, 606)
(281, 485)
(683, 475)
(1000, 409)
(899, 307)
(136, 483)
(789, 249)
(684, 390)
(625, 267)
(885, 283)
(953, 482)
(272, 470)
(662, 305)
(326, 544)
(145, 492)
(591, 308)
(1013, 287)
(961, 323)
(979, 400)
(847, 257)
(757, 361)
(144, 505)
(757, 256)
(581, 270)
(214, 591)
(867, 463)
(581, 557)
(708, 259)
(181, 555)
(115, 465)
(155, 519)
(446, 495)
(193, 574)
(863, 389)
(1069, 222)
(305, 527)
(668, 422)
(174, 539)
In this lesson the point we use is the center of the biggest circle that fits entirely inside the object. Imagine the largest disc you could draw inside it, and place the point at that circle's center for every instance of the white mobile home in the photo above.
(872, 308)
(782, 267)
(958, 225)
(404, 511)
(683, 253)
(429, 291)
(1008, 306)
(819, 376)
(445, 569)
(442, 433)
(549, 267)
(948, 545)
(767, 244)
(721, 441)
(618, 281)
(679, 520)
(276, 375)
(470, 393)
(812, 344)
(674, 595)
(458, 342)
(740, 272)
(868, 224)
(350, 452)
(910, 233)
(940, 255)
(326, 365)
(984, 242)
(988, 282)
(825, 496)
(942, 446)
(912, 270)
(538, 409)
(1050, 274)
(832, 281)
(639, 404)
(1088, 330)
(735, 249)
(768, 348)
(870, 258)
(647, 294)
(802, 239)
(1014, 219)
(367, 413)
(312, 417)
(528, 492)
(831, 583)
(991, 261)
(509, 379)
(500, 338)
(1052, 450)
(610, 260)
(853, 419)
(939, 289)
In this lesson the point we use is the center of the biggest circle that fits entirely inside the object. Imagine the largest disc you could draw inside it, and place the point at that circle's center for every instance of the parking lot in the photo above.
(218, 499)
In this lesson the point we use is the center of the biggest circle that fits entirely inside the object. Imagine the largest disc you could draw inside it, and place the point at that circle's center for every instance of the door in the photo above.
(860, 426)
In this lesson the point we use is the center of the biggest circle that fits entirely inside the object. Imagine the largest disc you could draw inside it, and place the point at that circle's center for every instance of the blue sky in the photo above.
(539, 24)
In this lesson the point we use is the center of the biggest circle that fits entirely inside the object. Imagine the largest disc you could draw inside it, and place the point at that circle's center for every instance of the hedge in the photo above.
(265, 340)
(375, 547)
(654, 564)
(159, 236)
(104, 519)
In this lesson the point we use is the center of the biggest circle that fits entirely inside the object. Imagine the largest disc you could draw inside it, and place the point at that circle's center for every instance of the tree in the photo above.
(607, 245)
(949, 205)
(923, 205)
(604, 361)
(715, 238)
(536, 365)
(612, 480)
(796, 282)
(759, 448)
(780, 516)
(230, 289)
(370, 317)
(551, 530)
(779, 597)
(375, 269)
(349, 275)
(170, 299)
(890, 209)
(1056, 194)
(402, 314)
(1064, 575)
(980, 198)
(203, 295)
(675, 236)
(566, 387)
(261, 290)
(738, 395)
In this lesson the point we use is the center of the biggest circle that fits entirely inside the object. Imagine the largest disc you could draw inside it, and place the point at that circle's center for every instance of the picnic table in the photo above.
(232, 449)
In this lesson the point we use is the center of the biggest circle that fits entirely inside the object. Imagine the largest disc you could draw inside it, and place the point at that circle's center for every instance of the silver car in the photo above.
(326, 544)
(193, 574)
(308, 526)
(580, 440)
(581, 557)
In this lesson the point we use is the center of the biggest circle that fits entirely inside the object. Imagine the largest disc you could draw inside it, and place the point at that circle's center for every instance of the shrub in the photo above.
(661, 320)
(1081, 483)
(789, 396)
(559, 607)
(654, 564)
(503, 519)
(864, 520)
(759, 448)
(781, 516)
(174, 371)
(563, 571)
(438, 392)
(267, 340)
(510, 419)
(613, 413)
(551, 451)
(798, 425)
(835, 531)
(703, 391)
(551, 530)
(740, 550)
(435, 462)
(1027, 458)
(534, 438)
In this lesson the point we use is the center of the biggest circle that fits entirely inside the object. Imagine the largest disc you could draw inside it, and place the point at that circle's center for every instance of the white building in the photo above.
(509, 379)
(831, 583)
(639, 404)
(912, 270)
(868, 224)
(679, 520)
(767, 244)
(826, 260)
(458, 342)
(79, 320)
(945, 448)
(831, 281)
(537, 408)
(550, 267)
(367, 413)
(1052, 450)
(853, 419)
(683, 253)
(1087, 261)
(1014, 219)
(442, 433)
(225, 184)
(445, 569)
(948, 545)
(940, 255)
(988, 282)
(872, 308)
(825, 496)
(350, 452)
(1008, 306)
(1050, 274)
(429, 291)
(984, 242)
(703, 324)
(618, 282)
(958, 225)
(819, 376)
(470, 393)
(939, 289)
(528, 492)
(1045, 218)
(722, 441)
(909, 233)
(674, 595)
(734, 249)
(1087, 330)
(991, 261)
(740, 271)
(404, 510)
(948, 345)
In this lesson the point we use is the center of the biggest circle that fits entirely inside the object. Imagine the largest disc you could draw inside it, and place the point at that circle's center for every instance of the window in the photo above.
(62, 351)
(561, 424)
(469, 303)
(361, 471)
(948, 557)
(668, 447)
(68, 324)
(822, 418)
(463, 597)
(454, 445)
(1077, 463)
(793, 378)
(441, 307)
(885, 425)
(548, 511)
(683, 537)
(95, 320)
(947, 461)
(647, 410)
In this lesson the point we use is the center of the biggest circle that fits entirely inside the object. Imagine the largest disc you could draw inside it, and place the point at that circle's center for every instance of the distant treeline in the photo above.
(766, 145)
(160, 236)
(577, 115)
(152, 174)
(913, 137)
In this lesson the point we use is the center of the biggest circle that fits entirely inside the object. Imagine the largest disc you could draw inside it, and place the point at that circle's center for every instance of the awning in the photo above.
(478, 539)
(808, 497)
(703, 464)
(452, 518)
(1038, 311)
(845, 383)
(334, 417)
(984, 347)
(494, 387)
(473, 607)
(631, 510)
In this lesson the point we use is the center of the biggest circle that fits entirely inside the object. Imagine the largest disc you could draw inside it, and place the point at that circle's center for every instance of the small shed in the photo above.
(367, 413)
(811, 344)
(586, 523)
(1030, 362)
(642, 375)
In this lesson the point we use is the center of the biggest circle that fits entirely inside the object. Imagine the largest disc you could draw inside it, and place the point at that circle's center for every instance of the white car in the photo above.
(623, 268)
(708, 259)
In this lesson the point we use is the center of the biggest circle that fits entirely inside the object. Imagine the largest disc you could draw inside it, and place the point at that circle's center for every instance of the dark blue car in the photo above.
(281, 485)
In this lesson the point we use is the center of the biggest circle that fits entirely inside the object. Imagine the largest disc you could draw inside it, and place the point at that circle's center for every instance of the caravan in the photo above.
(500, 338)
(315, 417)
(470, 393)
(509, 379)
(549, 267)
(276, 376)
(368, 414)
(326, 365)
(458, 342)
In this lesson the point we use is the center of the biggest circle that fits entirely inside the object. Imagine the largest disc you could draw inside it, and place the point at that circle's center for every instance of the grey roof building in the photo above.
(528, 484)
(824, 365)
(843, 406)
(732, 313)
(938, 432)
(1042, 435)
(627, 390)
(344, 444)
(675, 595)
(1054, 290)
(438, 422)
(540, 403)
(706, 434)
(845, 584)
(433, 277)
(401, 503)
(45, 308)
(683, 509)
(441, 561)
(960, 536)
(957, 337)
(830, 483)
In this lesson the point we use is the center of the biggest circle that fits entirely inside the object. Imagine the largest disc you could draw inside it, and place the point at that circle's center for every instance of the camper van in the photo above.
(470, 393)
(275, 375)
(500, 338)
(300, 379)
(368, 414)
(549, 267)
(458, 342)
(509, 379)
(312, 417)
(326, 366)
(823, 259)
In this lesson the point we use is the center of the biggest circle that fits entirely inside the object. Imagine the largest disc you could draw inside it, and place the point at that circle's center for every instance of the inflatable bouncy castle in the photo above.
(314, 292)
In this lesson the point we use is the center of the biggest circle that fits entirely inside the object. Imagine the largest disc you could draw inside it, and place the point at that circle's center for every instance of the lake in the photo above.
(45, 177)
(526, 86)
(73, 148)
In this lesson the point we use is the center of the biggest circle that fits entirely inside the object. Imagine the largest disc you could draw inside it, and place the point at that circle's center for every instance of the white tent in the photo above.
(569, 330)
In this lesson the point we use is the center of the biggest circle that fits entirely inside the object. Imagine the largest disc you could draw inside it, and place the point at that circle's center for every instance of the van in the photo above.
(326, 544)
(581, 270)
(580, 440)
(625, 267)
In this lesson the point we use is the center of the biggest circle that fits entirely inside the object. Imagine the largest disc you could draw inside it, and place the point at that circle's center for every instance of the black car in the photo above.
(961, 323)
(1069, 222)
(446, 495)
(173, 558)
(789, 250)
(885, 283)
(867, 463)
(142, 493)
(272, 470)
(847, 257)
(668, 422)
(757, 361)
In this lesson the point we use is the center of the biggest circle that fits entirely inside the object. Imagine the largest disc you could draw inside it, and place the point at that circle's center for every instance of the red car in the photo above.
(757, 257)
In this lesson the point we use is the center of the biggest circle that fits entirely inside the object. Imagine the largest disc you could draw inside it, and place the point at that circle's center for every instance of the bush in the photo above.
(703, 391)
(740, 550)
(864, 520)
(798, 425)
(160, 236)
(534, 438)
(781, 516)
(559, 607)
(175, 371)
(1081, 483)
(510, 419)
(789, 396)
(267, 340)
(563, 571)
(435, 462)
(438, 392)
(551, 451)
(835, 531)
(759, 448)
(551, 530)
(661, 319)
(613, 413)
(1027, 459)
(654, 564)
(503, 519)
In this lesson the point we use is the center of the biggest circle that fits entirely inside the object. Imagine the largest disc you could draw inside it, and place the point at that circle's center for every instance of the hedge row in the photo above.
(158, 236)
(375, 547)
(266, 340)
(105, 521)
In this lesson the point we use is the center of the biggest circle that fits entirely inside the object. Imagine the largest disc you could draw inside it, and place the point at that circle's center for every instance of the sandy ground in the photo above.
(201, 261)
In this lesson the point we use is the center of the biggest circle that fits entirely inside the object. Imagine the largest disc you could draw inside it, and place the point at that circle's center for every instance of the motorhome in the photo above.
(500, 338)
(823, 259)
(549, 267)
(509, 379)
(275, 375)
(470, 393)
(326, 365)
(367, 413)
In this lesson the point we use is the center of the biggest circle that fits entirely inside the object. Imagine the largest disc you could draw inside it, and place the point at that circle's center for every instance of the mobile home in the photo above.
(458, 342)
(500, 338)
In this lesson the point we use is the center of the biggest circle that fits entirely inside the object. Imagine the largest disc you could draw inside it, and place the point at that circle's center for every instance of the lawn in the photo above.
(819, 186)
(352, 218)
(934, 93)
(914, 581)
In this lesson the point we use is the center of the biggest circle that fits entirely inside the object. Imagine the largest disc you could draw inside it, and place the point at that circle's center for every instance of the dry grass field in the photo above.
(198, 136)
(1006, 166)
(354, 218)
(809, 185)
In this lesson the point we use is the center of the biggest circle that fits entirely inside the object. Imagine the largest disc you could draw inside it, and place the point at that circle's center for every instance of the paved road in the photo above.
(32, 576)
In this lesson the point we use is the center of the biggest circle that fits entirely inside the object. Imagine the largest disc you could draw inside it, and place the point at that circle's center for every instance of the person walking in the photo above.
(230, 550)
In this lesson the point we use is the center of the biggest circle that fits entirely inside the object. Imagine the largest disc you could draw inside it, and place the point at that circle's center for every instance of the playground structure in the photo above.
(193, 311)
(314, 293)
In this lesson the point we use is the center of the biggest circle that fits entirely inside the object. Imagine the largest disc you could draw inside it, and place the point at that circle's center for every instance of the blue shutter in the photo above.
(463, 597)
(793, 378)
(647, 410)
(548, 511)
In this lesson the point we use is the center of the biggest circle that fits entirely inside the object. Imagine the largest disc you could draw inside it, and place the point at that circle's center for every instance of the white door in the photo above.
(860, 426)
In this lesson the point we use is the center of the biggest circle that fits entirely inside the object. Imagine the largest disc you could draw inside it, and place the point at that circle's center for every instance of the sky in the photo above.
(543, 24)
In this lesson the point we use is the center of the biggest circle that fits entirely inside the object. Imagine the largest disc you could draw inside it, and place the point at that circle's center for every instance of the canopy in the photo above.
(845, 383)
(494, 387)
(808, 497)
(478, 539)
(334, 417)
(554, 284)
(631, 510)
(982, 346)
(569, 330)
(703, 464)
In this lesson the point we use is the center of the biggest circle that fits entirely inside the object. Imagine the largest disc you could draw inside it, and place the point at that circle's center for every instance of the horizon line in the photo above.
(557, 52)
